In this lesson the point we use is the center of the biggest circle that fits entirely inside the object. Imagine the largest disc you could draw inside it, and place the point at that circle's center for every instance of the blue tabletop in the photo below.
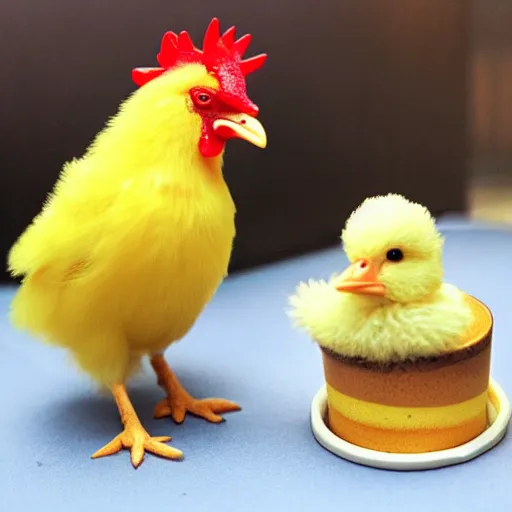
(264, 457)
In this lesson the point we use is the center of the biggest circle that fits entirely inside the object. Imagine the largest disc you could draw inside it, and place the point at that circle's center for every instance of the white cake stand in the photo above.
(498, 424)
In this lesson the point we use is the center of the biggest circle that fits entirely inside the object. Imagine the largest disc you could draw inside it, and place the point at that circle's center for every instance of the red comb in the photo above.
(221, 55)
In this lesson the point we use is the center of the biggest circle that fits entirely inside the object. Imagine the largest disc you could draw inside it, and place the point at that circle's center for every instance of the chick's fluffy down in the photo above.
(391, 332)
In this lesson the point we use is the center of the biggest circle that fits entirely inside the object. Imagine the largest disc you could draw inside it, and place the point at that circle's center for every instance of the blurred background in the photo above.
(490, 107)
(358, 98)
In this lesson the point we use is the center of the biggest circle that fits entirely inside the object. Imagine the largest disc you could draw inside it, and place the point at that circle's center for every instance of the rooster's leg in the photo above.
(179, 402)
(134, 436)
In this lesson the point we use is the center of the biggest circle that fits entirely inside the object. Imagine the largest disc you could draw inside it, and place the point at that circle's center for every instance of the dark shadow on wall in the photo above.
(358, 98)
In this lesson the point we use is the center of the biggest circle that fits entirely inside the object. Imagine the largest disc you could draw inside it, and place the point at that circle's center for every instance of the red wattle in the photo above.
(210, 145)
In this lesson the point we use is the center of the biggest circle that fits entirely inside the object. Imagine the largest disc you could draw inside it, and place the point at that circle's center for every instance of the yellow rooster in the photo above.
(137, 235)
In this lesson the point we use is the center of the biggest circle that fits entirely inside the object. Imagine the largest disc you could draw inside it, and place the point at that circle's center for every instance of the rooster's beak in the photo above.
(241, 126)
(361, 277)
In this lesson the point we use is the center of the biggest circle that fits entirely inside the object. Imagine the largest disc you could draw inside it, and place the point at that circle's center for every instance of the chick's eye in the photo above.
(395, 255)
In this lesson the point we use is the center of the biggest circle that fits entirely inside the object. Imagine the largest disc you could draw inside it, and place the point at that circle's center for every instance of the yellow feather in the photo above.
(135, 238)
(353, 326)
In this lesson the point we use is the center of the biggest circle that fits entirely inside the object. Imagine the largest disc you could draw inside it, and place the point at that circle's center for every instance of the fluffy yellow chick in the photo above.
(390, 304)
(137, 235)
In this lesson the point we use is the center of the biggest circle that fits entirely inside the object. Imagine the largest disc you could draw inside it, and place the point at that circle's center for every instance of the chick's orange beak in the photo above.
(241, 126)
(362, 276)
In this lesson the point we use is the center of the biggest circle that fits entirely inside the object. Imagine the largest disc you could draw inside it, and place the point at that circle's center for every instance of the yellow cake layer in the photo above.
(405, 441)
(410, 418)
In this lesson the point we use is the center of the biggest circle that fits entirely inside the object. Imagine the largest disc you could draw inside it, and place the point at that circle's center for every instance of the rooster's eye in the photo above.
(202, 99)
